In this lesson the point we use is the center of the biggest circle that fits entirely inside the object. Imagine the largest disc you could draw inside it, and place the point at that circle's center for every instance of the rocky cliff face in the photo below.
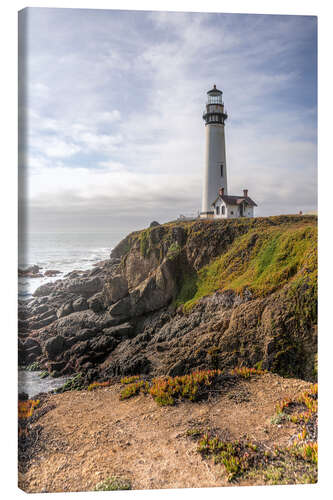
(181, 296)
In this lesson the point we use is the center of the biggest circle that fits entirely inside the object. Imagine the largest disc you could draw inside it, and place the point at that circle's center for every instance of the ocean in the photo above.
(63, 252)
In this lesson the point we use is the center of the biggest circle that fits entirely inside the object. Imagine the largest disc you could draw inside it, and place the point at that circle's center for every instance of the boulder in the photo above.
(115, 289)
(80, 304)
(84, 286)
(51, 272)
(104, 343)
(44, 290)
(55, 346)
(65, 310)
(121, 331)
(30, 342)
(96, 302)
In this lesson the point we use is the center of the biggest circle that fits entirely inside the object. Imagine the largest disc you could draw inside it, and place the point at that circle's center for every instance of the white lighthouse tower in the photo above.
(215, 175)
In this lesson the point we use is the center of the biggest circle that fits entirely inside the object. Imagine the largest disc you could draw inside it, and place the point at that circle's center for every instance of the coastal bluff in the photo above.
(181, 296)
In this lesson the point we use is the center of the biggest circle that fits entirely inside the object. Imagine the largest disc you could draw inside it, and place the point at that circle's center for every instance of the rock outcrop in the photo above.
(182, 296)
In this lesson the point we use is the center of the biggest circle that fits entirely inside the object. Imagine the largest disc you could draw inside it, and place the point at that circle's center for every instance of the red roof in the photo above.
(235, 200)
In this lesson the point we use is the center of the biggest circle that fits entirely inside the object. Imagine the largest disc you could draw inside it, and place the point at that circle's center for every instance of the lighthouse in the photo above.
(215, 173)
(216, 203)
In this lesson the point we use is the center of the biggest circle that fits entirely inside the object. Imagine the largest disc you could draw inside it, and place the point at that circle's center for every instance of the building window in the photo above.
(217, 210)
(232, 212)
(221, 167)
(223, 210)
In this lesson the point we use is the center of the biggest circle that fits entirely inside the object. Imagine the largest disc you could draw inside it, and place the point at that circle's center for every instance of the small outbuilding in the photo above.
(232, 206)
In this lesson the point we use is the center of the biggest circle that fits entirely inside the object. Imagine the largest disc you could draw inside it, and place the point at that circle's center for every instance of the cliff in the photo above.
(183, 296)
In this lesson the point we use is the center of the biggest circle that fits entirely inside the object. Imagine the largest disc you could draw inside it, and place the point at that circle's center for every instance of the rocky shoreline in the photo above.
(122, 317)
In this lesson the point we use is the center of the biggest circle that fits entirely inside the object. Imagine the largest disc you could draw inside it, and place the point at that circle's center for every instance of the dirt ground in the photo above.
(90, 436)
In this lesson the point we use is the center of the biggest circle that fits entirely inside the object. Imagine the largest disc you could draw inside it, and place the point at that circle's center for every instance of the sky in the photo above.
(111, 114)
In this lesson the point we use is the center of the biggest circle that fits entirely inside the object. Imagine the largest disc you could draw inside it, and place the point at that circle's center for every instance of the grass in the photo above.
(174, 251)
(260, 260)
(114, 483)
(295, 464)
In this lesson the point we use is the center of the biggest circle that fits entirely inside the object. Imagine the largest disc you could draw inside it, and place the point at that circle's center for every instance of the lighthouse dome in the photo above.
(214, 91)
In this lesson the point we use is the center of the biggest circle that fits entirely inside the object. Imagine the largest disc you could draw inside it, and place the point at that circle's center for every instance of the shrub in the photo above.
(34, 367)
(247, 372)
(133, 389)
(96, 385)
(130, 380)
(26, 408)
(114, 483)
(73, 384)
(165, 390)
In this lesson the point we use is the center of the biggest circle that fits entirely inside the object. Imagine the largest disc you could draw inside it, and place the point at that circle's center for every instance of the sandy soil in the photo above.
(90, 436)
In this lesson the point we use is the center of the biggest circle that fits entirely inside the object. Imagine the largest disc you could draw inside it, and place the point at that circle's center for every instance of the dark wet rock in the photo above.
(30, 272)
(79, 348)
(30, 342)
(80, 304)
(23, 396)
(96, 302)
(120, 317)
(44, 290)
(55, 346)
(120, 331)
(65, 309)
(103, 343)
(36, 325)
(51, 272)
(57, 366)
(178, 368)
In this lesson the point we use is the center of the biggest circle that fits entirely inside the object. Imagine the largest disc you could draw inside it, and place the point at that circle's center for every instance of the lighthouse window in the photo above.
(221, 169)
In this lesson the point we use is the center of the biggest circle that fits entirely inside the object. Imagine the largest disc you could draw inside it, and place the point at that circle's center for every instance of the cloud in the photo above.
(115, 104)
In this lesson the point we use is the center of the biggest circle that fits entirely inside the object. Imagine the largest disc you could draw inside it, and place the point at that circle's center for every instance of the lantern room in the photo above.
(215, 112)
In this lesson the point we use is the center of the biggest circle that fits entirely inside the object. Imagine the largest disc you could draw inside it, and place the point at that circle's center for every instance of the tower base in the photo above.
(206, 215)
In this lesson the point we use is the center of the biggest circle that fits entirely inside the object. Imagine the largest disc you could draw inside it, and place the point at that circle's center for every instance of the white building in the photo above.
(231, 206)
(216, 203)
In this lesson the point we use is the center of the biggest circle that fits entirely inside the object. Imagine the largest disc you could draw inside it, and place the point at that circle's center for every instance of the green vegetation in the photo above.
(236, 456)
(97, 385)
(188, 289)
(114, 483)
(261, 261)
(245, 372)
(44, 374)
(73, 384)
(167, 390)
(174, 251)
(144, 242)
(34, 367)
(130, 380)
(132, 389)
(288, 465)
